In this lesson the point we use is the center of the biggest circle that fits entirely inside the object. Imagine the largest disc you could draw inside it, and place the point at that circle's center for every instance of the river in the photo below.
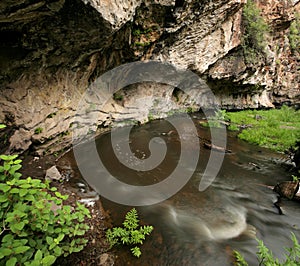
(204, 227)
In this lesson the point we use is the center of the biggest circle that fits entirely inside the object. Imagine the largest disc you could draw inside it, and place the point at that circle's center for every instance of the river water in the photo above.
(203, 228)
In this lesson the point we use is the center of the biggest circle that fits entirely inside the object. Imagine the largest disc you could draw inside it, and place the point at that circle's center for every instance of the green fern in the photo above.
(130, 234)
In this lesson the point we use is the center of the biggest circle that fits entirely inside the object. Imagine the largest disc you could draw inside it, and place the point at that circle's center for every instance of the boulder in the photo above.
(53, 174)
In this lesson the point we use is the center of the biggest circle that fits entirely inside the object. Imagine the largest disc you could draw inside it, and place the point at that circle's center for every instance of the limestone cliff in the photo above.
(51, 50)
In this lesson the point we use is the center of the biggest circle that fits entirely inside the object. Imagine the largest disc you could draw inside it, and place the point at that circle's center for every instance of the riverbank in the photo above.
(276, 129)
(96, 251)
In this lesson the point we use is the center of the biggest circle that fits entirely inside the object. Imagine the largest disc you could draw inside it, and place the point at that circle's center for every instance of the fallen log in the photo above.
(216, 148)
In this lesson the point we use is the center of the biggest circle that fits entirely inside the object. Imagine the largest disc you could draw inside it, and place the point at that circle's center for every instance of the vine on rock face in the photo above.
(35, 226)
(130, 234)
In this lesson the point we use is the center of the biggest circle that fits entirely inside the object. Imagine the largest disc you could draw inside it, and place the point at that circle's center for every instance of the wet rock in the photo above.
(296, 156)
(53, 174)
(287, 189)
(106, 260)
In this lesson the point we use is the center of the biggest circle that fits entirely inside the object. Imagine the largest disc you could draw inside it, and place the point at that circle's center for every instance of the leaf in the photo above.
(60, 237)
(14, 191)
(29, 198)
(8, 157)
(21, 249)
(8, 238)
(5, 252)
(3, 198)
(49, 240)
(136, 252)
(57, 251)
(14, 168)
(4, 187)
(19, 226)
(23, 192)
(2, 126)
(48, 260)
(11, 262)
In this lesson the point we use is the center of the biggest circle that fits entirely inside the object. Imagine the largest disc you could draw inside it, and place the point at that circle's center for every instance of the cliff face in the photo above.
(51, 50)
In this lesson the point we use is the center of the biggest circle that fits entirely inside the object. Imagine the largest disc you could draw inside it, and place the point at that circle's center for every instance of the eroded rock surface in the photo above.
(51, 51)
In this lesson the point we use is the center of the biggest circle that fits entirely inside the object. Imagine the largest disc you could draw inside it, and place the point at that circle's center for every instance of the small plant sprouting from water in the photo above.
(266, 257)
(131, 234)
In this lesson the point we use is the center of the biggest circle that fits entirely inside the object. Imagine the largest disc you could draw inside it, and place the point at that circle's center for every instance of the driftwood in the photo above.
(216, 148)
(288, 189)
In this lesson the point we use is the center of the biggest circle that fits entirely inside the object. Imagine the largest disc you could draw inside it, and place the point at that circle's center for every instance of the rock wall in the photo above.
(50, 51)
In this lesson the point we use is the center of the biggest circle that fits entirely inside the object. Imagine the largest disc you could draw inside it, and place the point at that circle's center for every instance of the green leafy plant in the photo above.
(217, 120)
(35, 226)
(131, 234)
(118, 96)
(38, 130)
(266, 257)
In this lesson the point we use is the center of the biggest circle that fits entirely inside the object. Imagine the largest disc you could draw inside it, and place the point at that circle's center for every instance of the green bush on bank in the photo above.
(35, 226)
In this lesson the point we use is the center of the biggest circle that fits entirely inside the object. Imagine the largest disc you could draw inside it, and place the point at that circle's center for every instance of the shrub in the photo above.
(256, 28)
(35, 226)
(294, 35)
(130, 234)
(265, 256)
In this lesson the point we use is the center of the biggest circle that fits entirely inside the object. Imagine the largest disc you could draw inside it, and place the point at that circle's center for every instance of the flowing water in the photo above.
(203, 228)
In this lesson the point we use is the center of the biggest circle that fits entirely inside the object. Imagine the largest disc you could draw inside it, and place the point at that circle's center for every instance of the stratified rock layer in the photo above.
(51, 51)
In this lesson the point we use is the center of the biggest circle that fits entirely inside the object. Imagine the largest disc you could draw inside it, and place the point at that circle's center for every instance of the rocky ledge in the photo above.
(52, 50)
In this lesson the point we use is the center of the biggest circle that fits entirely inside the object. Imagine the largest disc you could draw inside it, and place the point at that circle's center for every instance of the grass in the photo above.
(265, 256)
(276, 129)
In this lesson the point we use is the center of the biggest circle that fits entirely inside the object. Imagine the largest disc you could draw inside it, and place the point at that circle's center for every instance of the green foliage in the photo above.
(130, 234)
(2, 126)
(266, 257)
(151, 117)
(239, 259)
(256, 29)
(38, 130)
(294, 34)
(217, 120)
(31, 232)
(118, 96)
(277, 129)
(142, 44)
(51, 115)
